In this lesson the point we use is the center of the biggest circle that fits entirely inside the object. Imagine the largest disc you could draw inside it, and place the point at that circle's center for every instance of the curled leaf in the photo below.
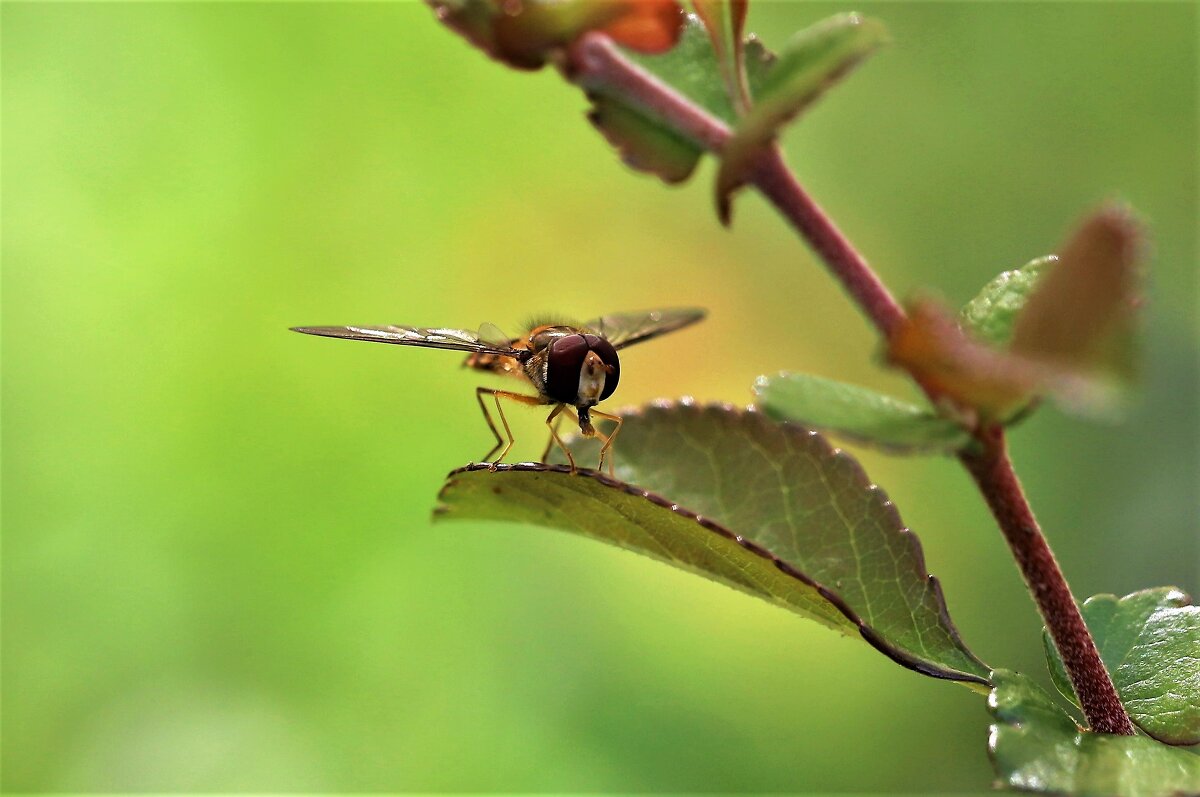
(1150, 644)
(731, 495)
(1035, 746)
(1087, 296)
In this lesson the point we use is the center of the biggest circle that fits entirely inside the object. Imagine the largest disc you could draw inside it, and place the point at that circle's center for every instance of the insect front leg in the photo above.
(606, 447)
(605, 440)
(552, 421)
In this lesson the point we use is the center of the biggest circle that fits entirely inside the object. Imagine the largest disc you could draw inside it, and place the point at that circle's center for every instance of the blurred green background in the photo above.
(219, 571)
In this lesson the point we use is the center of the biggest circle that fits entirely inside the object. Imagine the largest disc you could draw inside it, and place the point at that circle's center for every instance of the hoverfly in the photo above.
(573, 367)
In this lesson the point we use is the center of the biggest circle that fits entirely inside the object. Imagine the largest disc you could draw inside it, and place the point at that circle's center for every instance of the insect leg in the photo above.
(606, 448)
(496, 396)
(487, 416)
(552, 422)
(596, 432)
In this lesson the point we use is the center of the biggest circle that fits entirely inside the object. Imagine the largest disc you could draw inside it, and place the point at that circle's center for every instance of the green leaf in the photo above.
(1150, 643)
(644, 145)
(742, 500)
(645, 139)
(589, 504)
(1035, 746)
(991, 315)
(858, 414)
(808, 65)
(692, 69)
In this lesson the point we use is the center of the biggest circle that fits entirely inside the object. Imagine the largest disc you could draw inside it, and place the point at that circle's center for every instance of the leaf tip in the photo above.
(724, 207)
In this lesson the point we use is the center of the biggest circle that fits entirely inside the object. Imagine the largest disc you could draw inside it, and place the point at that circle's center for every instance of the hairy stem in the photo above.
(596, 64)
(993, 472)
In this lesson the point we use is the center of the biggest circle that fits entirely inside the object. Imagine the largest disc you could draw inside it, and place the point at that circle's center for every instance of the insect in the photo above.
(573, 367)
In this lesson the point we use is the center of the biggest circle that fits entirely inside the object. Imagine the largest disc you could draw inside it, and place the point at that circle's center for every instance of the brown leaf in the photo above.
(932, 347)
(1086, 297)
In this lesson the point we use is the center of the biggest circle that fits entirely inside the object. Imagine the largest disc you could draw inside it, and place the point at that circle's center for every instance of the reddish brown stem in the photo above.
(993, 472)
(597, 65)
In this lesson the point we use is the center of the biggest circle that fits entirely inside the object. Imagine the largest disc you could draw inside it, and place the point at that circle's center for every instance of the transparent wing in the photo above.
(454, 339)
(492, 335)
(626, 329)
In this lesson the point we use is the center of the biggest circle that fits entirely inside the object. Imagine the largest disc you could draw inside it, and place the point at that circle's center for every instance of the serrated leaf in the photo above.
(1036, 746)
(646, 140)
(990, 316)
(807, 66)
(595, 506)
(858, 414)
(765, 492)
(1150, 643)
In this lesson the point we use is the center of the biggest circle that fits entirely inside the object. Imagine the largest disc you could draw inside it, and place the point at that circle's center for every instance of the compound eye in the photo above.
(608, 356)
(564, 359)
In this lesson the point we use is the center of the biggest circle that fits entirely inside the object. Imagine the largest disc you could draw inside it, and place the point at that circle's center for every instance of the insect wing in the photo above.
(492, 335)
(626, 329)
(454, 339)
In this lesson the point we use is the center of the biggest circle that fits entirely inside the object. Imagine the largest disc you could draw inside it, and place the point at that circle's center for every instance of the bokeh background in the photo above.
(219, 570)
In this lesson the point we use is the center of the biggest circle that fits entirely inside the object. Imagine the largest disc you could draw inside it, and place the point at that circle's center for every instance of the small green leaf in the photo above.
(990, 316)
(858, 414)
(812, 61)
(1150, 643)
(643, 145)
(691, 69)
(1035, 746)
(744, 499)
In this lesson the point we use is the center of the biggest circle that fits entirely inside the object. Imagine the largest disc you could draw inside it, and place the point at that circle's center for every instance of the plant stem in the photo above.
(596, 64)
(993, 472)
